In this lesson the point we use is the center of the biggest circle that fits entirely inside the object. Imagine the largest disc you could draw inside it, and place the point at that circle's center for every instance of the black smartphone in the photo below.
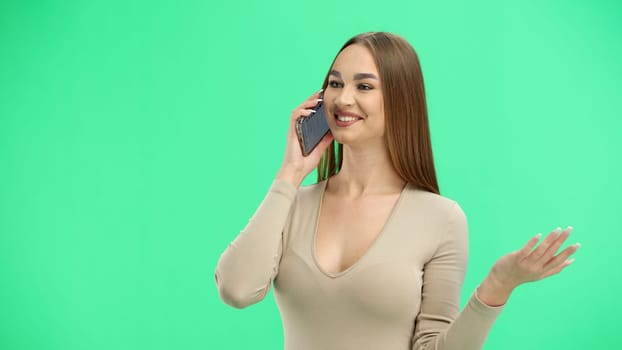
(311, 129)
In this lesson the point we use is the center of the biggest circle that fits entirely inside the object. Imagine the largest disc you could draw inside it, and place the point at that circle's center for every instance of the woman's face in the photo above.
(353, 98)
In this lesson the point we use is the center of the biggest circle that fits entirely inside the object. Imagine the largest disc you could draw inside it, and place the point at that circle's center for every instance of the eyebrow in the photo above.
(357, 76)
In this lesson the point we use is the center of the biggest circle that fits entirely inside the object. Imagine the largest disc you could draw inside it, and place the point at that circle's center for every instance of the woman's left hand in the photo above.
(526, 265)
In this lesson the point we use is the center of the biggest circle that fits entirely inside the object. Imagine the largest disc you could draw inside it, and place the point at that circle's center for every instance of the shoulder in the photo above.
(440, 218)
(434, 213)
(432, 204)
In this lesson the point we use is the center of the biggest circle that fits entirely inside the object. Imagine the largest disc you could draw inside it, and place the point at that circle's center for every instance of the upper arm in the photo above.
(443, 276)
(248, 266)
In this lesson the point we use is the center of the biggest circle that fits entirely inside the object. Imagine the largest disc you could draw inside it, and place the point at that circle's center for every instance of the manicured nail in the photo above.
(538, 236)
(321, 90)
(570, 261)
(577, 245)
(320, 99)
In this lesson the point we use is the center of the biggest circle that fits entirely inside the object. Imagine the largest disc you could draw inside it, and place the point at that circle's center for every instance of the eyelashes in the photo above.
(361, 86)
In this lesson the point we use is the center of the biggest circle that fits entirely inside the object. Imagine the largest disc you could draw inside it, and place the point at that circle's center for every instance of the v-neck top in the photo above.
(318, 213)
(402, 293)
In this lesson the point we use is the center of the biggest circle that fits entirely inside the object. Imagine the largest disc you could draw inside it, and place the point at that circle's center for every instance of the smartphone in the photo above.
(311, 129)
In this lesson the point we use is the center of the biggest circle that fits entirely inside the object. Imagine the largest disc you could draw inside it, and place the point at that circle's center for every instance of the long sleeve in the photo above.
(250, 263)
(439, 325)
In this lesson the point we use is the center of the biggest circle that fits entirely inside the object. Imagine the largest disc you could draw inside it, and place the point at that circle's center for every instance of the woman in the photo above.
(372, 257)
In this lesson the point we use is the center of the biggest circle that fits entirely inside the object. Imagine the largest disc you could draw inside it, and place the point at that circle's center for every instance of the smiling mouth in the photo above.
(346, 119)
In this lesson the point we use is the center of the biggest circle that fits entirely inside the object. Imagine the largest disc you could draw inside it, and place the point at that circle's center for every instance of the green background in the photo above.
(138, 137)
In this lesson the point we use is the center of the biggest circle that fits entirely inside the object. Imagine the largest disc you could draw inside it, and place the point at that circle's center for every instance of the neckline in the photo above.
(318, 212)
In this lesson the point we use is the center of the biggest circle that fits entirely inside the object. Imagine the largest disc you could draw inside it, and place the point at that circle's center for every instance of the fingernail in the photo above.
(571, 261)
(539, 235)
(558, 229)
(321, 90)
(320, 99)
(577, 245)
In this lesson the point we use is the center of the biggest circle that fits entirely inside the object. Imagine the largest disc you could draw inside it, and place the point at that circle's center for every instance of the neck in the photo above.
(366, 171)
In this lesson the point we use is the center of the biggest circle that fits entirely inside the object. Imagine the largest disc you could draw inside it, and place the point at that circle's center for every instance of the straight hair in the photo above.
(406, 114)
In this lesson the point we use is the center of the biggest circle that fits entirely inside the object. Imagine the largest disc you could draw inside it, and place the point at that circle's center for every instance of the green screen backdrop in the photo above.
(138, 137)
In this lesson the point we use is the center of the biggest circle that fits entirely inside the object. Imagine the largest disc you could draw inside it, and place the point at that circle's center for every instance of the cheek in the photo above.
(329, 100)
(329, 96)
(374, 109)
(380, 106)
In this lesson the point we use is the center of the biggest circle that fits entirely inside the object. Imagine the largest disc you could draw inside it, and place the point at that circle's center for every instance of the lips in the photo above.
(344, 119)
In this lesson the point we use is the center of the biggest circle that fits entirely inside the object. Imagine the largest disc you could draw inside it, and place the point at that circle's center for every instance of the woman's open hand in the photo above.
(296, 166)
(526, 265)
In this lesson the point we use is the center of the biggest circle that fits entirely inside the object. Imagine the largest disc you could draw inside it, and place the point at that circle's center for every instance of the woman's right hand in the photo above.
(295, 166)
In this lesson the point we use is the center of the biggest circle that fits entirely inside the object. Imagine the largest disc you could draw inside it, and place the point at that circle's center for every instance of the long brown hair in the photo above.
(405, 110)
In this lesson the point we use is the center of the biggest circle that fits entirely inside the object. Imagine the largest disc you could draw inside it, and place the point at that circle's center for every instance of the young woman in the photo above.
(372, 257)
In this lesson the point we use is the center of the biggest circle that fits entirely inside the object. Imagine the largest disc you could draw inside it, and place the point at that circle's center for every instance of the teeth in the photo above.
(346, 118)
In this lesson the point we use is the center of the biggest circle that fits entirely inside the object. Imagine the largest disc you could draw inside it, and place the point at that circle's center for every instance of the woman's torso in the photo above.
(373, 301)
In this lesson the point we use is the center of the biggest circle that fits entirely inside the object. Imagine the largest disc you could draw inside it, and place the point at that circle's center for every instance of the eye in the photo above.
(335, 84)
(365, 87)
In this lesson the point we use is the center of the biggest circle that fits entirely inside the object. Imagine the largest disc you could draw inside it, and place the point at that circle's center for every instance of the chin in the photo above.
(357, 140)
(340, 137)
(348, 140)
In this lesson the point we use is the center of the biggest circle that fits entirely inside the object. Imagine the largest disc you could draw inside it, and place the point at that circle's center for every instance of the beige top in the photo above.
(403, 293)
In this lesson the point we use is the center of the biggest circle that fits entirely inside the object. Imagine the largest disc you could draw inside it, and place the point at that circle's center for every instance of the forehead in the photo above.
(355, 59)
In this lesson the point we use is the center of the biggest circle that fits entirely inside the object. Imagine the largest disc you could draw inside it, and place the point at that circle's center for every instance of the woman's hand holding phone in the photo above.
(295, 166)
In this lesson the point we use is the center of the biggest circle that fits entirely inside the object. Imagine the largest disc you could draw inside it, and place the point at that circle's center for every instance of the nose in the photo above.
(344, 98)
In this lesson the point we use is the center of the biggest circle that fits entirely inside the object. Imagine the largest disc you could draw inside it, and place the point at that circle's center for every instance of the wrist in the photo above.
(493, 292)
(290, 175)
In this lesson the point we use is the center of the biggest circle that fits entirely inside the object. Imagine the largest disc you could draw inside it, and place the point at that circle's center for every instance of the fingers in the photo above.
(300, 113)
(552, 249)
(558, 268)
(535, 261)
(303, 110)
(553, 264)
(310, 104)
(562, 257)
(306, 108)
(539, 252)
(524, 252)
(315, 95)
